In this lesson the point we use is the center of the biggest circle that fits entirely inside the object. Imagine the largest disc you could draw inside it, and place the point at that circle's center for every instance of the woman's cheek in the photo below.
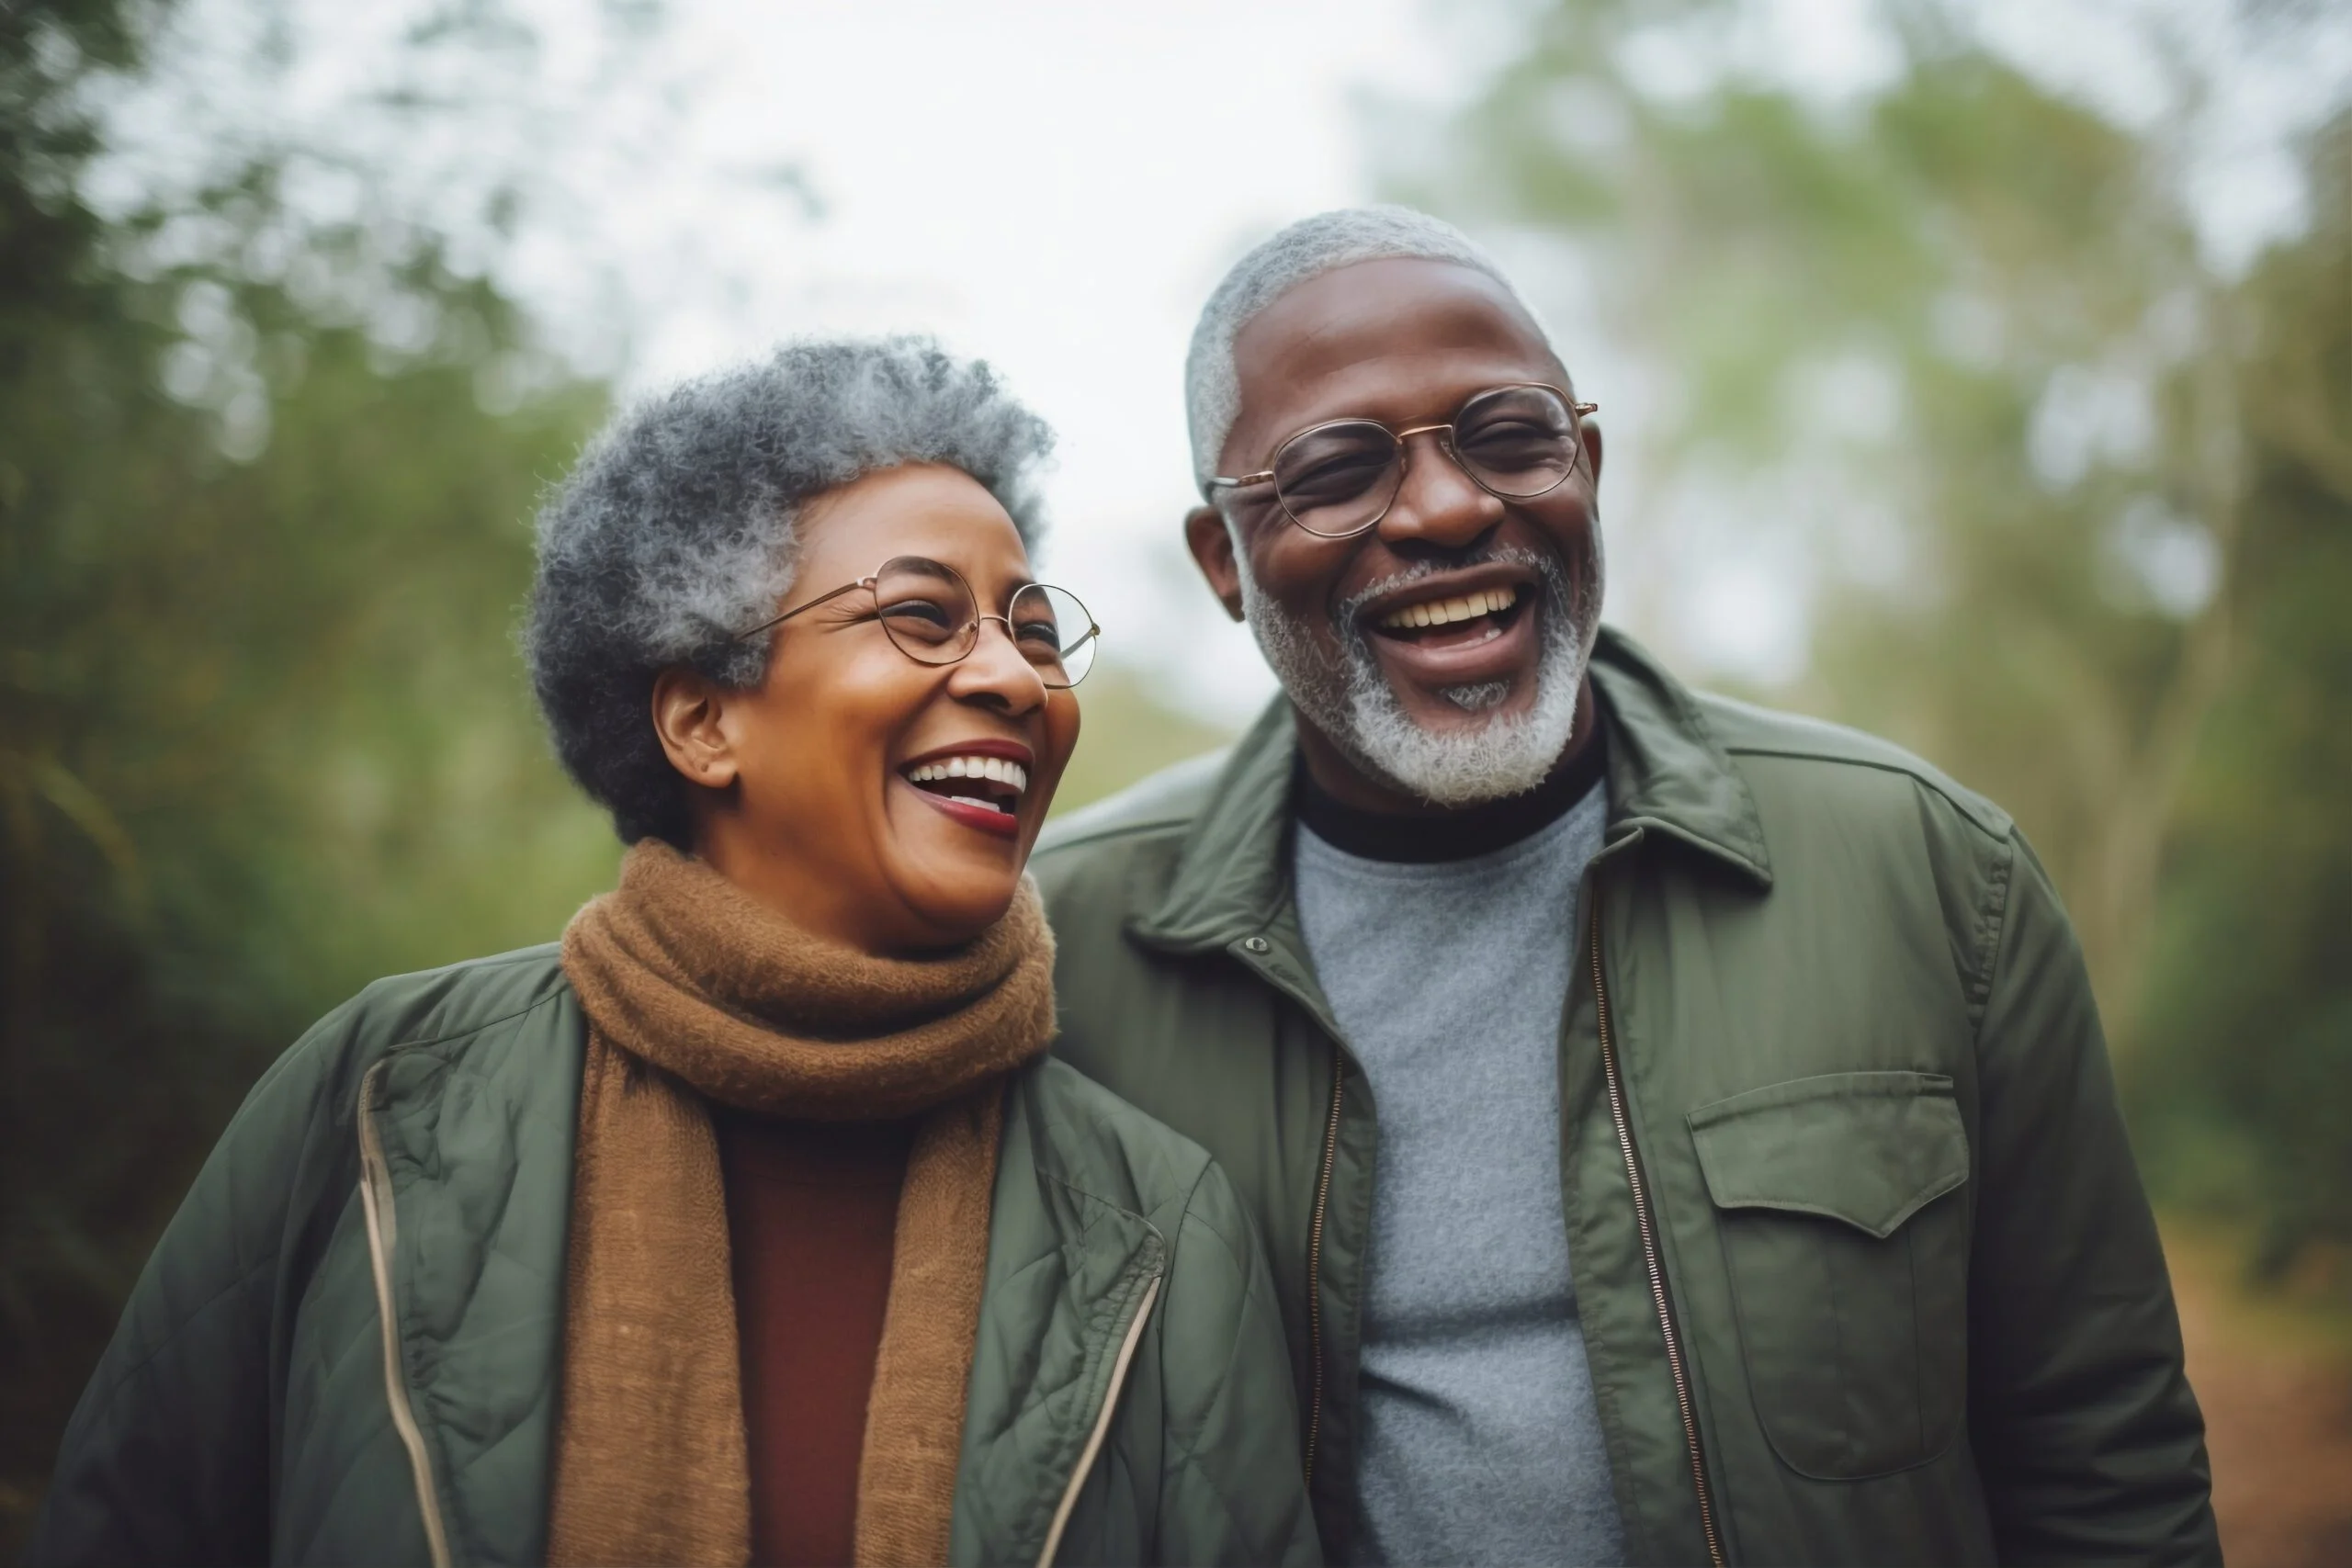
(857, 722)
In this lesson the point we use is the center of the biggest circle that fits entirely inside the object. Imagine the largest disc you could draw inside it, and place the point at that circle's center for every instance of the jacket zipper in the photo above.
(1102, 1423)
(376, 1200)
(1649, 1249)
(1315, 1268)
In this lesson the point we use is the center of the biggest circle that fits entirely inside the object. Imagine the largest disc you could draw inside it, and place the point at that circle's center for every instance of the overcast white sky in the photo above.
(1053, 184)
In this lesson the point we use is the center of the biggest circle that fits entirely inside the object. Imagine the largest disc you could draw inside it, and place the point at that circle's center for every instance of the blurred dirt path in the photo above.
(2278, 1422)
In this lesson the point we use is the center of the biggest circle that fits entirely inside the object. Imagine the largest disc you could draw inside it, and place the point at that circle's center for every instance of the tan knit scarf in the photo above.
(695, 992)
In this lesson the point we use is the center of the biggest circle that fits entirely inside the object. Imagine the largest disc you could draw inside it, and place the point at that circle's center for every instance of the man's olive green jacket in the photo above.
(1865, 1269)
(409, 1164)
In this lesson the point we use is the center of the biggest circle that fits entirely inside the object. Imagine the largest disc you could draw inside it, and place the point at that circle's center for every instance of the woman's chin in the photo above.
(960, 905)
(954, 878)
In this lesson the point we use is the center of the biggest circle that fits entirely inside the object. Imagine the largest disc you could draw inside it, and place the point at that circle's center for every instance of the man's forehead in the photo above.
(1383, 321)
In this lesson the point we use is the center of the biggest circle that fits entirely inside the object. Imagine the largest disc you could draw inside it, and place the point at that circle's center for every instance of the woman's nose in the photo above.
(996, 671)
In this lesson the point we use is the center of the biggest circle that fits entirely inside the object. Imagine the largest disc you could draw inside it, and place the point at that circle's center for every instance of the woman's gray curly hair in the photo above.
(679, 529)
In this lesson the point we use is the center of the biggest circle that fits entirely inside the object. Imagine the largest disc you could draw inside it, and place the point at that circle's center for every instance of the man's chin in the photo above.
(1429, 742)
(1464, 708)
(1387, 709)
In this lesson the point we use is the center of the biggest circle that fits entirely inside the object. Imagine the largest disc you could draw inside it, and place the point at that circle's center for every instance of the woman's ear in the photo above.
(689, 715)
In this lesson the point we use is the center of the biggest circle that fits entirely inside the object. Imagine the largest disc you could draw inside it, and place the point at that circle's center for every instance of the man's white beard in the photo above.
(1355, 706)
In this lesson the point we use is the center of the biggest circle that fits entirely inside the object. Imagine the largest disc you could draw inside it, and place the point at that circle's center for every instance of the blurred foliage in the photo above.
(2246, 1067)
(264, 736)
(2078, 501)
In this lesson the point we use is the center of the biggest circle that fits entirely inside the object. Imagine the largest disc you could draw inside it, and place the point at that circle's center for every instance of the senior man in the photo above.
(1682, 1131)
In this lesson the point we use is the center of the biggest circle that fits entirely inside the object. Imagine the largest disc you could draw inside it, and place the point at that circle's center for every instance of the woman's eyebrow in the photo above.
(924, 566)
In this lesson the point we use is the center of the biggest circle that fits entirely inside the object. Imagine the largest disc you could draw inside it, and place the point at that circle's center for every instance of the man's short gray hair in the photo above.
(679, 530)
(1305, 251)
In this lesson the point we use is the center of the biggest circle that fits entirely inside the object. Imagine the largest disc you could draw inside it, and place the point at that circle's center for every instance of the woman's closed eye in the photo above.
(1038, 632)
(930, 620)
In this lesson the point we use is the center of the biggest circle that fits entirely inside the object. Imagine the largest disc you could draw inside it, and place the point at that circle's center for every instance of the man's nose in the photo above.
(1437, 504)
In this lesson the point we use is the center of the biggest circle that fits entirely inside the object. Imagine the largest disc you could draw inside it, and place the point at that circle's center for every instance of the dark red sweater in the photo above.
(810, 1212)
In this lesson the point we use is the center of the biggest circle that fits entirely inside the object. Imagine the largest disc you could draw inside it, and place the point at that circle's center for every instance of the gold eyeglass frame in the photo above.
(1578, 413)
(971, 628)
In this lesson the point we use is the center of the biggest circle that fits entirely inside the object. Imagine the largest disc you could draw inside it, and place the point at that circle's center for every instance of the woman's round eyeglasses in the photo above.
(1338, 478)
(928, 612)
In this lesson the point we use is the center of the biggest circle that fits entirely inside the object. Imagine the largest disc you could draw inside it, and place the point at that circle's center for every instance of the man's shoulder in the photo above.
(1096, 861)
(1098, 865)
(1162, 805)
(1806, 757)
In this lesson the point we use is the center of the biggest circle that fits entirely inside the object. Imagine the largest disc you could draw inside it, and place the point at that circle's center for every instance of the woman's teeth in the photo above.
(991, 781)
(1446, 612)
(995, 768)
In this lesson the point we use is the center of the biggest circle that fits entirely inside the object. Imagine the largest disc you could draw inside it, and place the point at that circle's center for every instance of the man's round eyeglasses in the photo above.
(1337, 478)
(928, 612)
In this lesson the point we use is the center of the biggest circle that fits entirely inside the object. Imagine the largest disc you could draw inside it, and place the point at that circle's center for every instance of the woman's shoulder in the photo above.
(432, 1005)
(451, 1006)
(1082, 1134)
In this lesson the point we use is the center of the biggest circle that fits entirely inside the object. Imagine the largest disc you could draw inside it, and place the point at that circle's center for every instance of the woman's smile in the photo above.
(981, 784)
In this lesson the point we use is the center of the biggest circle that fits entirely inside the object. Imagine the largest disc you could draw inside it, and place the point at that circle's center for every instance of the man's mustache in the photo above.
(1347, 616)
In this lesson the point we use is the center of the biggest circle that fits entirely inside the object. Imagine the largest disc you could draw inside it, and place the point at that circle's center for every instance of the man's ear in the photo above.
(690, 715)
(1212, 546)
(1591, 432)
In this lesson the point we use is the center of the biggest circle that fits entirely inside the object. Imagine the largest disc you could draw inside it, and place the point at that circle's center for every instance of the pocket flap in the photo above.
(1872, 1149)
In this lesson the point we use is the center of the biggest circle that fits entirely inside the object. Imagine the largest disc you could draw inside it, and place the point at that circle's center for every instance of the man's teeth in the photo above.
(995, 769)
(1446, 612)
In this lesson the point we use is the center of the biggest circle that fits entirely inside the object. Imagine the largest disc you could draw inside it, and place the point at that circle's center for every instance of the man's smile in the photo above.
(1456, 628)
(1480, 603)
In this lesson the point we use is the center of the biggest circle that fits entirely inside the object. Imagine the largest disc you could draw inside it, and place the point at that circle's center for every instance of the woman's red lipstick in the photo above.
(979, 783)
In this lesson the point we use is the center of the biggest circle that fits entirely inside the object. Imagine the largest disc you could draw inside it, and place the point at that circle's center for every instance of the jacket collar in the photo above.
(1668, 773)
(1667, 776)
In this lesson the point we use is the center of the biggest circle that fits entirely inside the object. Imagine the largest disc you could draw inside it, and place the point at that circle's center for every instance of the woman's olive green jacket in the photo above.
(347, 1347)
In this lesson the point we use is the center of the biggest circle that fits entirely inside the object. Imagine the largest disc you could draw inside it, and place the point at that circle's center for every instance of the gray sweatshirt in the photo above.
(1481, 1443)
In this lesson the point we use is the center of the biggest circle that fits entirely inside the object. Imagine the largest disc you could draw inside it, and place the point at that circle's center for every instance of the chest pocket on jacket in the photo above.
(1838, 1198)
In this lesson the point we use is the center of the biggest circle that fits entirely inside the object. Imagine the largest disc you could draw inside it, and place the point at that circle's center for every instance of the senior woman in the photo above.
(749, 1224)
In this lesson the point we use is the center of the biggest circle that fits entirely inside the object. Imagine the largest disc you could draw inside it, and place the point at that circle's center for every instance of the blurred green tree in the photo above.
(2065, 483)
(2245, 1052)
(263, 735)
(265, 490)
